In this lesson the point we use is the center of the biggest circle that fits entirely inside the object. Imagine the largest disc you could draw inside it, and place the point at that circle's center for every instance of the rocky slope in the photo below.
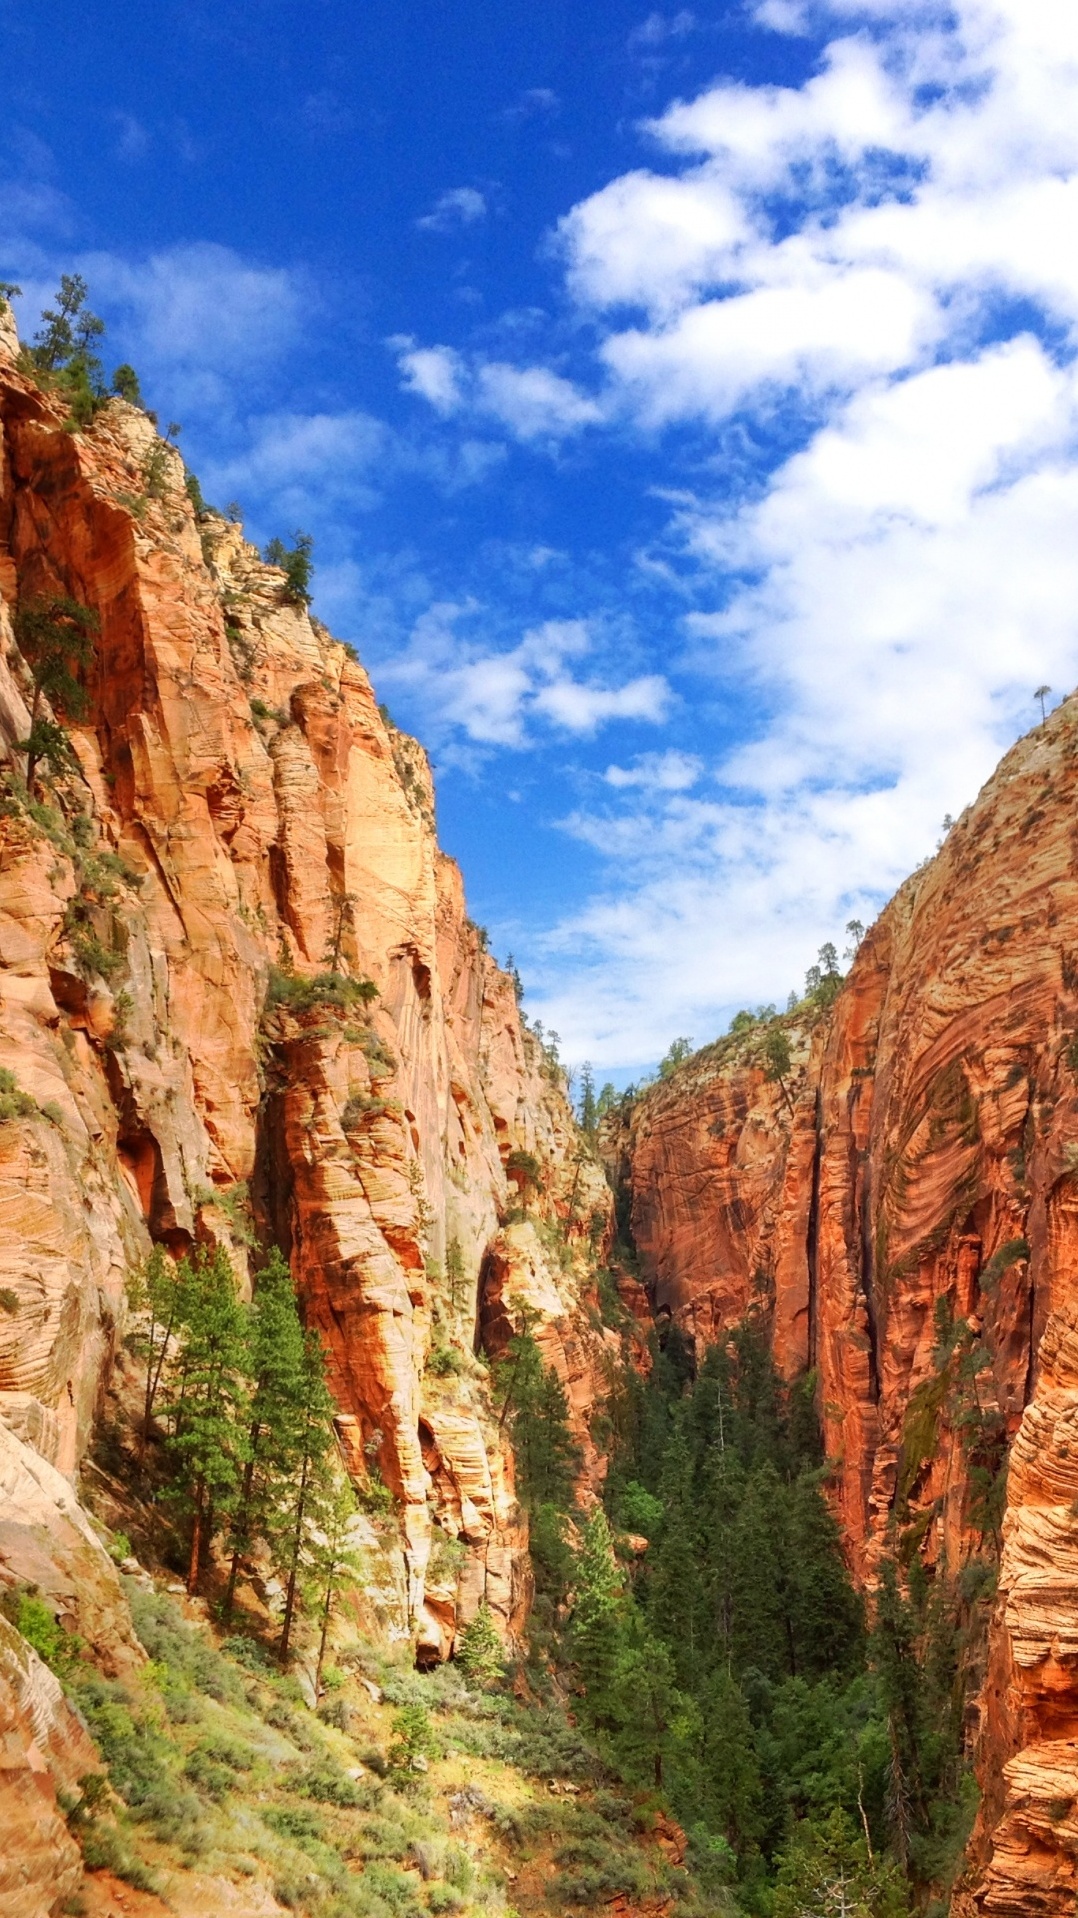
(905, 1208)
(243, 822)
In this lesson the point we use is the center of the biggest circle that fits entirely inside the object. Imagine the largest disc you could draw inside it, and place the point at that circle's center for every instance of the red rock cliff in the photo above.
(923, 1149)
(243, 816)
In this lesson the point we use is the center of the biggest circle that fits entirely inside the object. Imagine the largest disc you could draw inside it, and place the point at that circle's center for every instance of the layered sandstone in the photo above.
(243, 817)
(905, 1210)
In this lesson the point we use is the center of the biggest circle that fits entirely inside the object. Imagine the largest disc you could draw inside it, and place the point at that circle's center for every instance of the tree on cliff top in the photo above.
(296, 564)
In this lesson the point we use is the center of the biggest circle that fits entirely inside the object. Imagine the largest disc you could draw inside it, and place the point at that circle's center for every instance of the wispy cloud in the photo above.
(505, 697)
(661, 27)
(459, 206)
(534, 103)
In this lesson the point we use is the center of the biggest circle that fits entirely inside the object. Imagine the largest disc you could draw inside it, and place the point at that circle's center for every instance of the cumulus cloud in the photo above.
(500, 697)
(876, 262)
(533, 403)
(433, 372)
(459, 206)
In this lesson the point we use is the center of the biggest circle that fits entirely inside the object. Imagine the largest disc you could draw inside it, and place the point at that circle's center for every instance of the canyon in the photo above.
(245, 839)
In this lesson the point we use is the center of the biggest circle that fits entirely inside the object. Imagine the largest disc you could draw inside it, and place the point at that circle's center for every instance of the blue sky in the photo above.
(682, 404)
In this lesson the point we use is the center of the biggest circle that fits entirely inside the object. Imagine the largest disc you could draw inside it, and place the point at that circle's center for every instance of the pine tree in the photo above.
(333, 1560)
(157, 1290)
(209, 1410)
(600, 1612)
(276, 1361)
(652, 1719)
(55, 637)
(297, 1516)
(479, 1650)
(827, 1871)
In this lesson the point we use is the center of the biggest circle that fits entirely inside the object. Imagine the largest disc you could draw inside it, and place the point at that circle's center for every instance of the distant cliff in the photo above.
(903, 1207)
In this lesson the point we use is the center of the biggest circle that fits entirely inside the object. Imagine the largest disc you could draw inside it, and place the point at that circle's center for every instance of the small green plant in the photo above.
(14, 1102)
(9, 1301)
(676, 1054)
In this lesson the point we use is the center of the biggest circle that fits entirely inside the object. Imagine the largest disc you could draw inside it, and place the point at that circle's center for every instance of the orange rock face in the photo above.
(243, 815)
(922, 1168)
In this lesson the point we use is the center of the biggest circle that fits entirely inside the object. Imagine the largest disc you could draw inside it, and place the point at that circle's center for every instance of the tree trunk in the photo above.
(31, 758)
(297, 1540)
(241, 1527)
(326, 1610)
(195, 1563)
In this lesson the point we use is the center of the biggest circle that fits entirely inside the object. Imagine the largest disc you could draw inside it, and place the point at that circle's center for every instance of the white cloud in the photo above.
(201, 305)
(885, 601)
(659, 27)
(657, 772)
(533, 402)
(498, 698)
(460, 206)
(434, 372)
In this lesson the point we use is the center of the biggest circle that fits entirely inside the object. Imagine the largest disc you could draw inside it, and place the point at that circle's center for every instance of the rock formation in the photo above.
(903, 1206)
(244, 829)
(241, 1000)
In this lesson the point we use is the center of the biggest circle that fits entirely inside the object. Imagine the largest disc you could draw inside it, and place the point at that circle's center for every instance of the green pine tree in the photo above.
(334, 1561)
(479, 1650)
(276, 1361)
(55, 637)
(210, 1404)
(296, 1519)
(599, 1619)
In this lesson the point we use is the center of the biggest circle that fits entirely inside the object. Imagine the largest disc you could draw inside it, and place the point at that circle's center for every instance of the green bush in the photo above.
(31, 1616)
(328, 1784)
(104, 1849)
(14, 1102)
(179, 1649)
(325, 989)
(293, 1821)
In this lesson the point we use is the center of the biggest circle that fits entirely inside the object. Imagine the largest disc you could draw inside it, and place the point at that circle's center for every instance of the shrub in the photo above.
(181, 1650)
(42, 1630)
(104, 1849)
(14, 1102)
(444, 1360)
(9, 1300)
(327, 1784)
(293, 1821)
(325, 989)
(413, 1739)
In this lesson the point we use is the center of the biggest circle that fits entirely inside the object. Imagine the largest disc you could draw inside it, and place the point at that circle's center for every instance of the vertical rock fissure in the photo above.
(812, 1235)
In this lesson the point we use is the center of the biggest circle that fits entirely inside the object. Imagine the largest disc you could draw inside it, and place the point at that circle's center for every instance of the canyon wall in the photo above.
(902, 1207)
(189, 913)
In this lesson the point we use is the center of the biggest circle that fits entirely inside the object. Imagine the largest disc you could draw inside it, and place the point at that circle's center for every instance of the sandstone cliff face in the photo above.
(242, 814)
(923, 1171)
